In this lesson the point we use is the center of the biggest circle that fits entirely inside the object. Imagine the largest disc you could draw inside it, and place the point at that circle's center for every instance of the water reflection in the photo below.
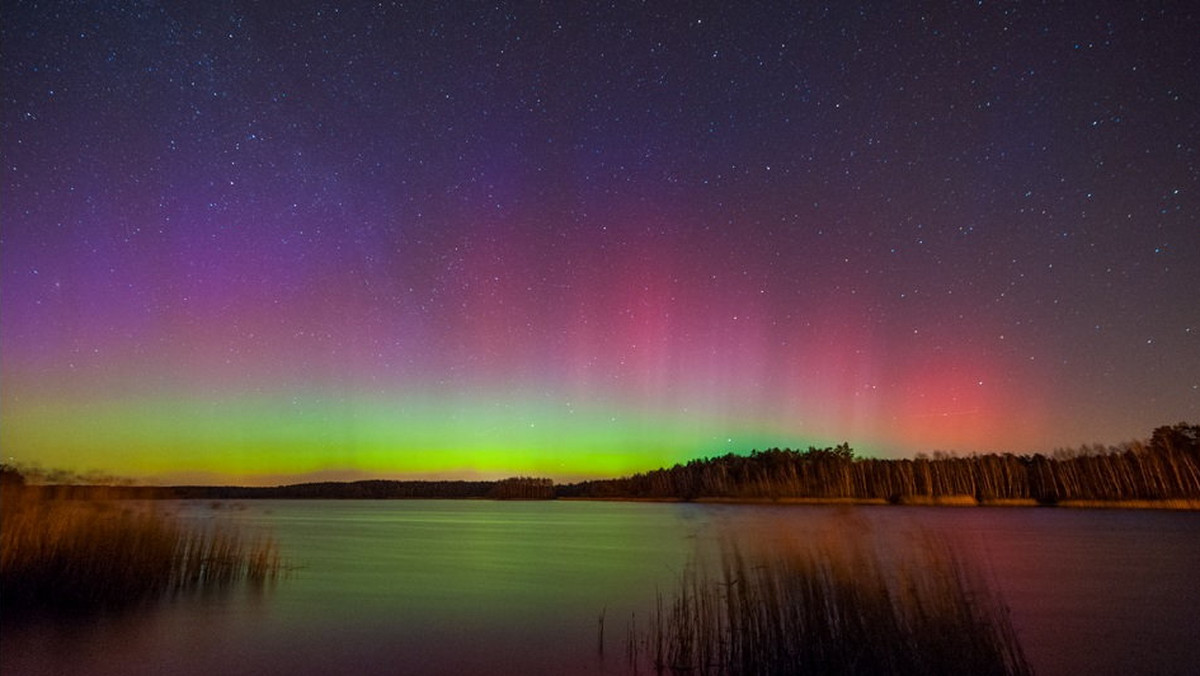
(486, 587)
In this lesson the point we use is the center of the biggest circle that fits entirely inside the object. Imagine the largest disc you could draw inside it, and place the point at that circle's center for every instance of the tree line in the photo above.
(514, 488)
(1165, 467)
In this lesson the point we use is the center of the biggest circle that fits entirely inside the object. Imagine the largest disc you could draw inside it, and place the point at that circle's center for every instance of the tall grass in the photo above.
(61, 554)
(832, 608)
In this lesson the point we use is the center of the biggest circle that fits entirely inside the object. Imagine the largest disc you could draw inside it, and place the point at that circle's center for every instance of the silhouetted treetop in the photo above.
(1178, 438)
(1167, 467)
(11, 476)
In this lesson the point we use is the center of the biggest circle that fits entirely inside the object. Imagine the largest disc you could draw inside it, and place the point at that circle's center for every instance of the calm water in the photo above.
(438, 587)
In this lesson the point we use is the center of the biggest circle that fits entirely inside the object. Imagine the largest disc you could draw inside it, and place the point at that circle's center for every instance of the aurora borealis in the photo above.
(256, 241)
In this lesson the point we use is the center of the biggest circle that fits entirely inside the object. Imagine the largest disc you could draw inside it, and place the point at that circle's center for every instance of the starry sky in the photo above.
(266, 241)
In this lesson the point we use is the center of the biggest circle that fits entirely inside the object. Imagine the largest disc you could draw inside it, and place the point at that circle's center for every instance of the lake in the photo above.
(459, 587)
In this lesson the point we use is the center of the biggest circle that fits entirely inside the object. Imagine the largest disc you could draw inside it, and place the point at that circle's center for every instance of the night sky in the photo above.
(265, 241)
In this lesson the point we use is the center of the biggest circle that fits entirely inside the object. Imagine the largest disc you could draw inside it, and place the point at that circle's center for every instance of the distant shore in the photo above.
(921, 501)
(1162, 472)
(388, 490)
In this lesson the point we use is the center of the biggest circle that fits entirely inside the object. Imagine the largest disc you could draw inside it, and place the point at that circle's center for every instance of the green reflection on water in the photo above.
(429, 564)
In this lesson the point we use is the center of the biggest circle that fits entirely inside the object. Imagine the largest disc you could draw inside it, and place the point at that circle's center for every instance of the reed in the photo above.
(59, 554)
(833, 608)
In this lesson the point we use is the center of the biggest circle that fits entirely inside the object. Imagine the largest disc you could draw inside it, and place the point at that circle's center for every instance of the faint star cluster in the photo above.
(601, 236)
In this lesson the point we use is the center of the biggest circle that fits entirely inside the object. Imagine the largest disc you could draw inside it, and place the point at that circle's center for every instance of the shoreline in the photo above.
(237, 494)
(921, 501)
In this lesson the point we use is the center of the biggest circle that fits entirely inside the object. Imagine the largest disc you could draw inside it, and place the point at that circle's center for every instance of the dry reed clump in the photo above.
(76, 554)
(833, 608)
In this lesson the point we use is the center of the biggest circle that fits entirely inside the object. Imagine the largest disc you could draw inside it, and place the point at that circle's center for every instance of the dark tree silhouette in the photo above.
(11, 476)
(1167, 467)
(1178, 438)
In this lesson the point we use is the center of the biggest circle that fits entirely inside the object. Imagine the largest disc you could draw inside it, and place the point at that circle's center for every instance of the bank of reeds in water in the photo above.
(71, 555)
(834, 608)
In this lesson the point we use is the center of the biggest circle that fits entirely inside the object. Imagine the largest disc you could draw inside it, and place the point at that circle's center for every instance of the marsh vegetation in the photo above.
(833, 607)
(84, 551)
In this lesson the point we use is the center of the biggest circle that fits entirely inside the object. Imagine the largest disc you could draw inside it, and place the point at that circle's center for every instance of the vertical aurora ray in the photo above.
(536, 242)
(645, 361)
